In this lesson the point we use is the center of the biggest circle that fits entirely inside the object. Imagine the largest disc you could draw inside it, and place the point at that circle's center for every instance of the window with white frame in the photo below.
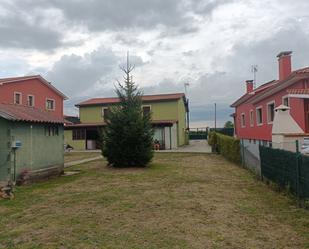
(17, 98)
(270, 112)
(50, 104)
(251, 118)
(285, 101)
(243, 120)
(259, 116)
(30, 100)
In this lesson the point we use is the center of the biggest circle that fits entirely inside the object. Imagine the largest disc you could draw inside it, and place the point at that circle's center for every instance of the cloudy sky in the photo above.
(78, 45)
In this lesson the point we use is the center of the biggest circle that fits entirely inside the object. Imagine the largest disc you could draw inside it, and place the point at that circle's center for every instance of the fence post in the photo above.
(242, 153)
(297, 173)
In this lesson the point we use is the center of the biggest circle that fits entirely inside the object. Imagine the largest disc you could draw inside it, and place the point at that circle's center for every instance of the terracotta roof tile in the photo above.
(159, 97)
(95, 124)
(27, 114)
(298, 91)
(272, 87)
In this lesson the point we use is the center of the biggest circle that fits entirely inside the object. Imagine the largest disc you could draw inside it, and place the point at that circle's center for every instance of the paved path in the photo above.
(69, 164)
(195, 146)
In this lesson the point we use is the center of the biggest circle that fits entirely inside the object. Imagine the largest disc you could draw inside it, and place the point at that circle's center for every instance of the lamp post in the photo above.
(215, 116)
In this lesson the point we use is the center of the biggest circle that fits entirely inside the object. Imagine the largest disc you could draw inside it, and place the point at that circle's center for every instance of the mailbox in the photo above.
(16, 144)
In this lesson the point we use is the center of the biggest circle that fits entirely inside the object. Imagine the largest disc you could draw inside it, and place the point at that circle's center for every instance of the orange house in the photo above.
(32, 91)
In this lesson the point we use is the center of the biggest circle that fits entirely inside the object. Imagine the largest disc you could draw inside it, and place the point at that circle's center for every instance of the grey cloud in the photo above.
(75, 74)
(94, 73)
(19, 32)
(117, 15)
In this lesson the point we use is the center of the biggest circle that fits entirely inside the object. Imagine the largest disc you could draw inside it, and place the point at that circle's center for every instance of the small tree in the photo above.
(127, 139)
(229, 124)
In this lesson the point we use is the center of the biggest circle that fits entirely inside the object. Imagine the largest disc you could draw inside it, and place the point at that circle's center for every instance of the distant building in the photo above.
(169, 119)
(32, 91)
(31, 129)
(255, 111)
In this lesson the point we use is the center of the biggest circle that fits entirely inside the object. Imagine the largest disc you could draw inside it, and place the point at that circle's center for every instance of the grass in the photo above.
(180, 201)
(75, 156)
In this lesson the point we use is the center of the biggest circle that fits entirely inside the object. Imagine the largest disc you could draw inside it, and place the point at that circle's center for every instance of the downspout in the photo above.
(170, 138)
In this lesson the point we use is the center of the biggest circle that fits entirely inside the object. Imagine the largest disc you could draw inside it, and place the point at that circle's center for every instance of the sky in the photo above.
(211, 44)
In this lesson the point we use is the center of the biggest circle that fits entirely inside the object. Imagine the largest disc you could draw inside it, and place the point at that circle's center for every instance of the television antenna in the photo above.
(254, 70)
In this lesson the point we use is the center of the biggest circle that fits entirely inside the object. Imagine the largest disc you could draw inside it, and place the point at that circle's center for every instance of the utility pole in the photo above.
(215, 116)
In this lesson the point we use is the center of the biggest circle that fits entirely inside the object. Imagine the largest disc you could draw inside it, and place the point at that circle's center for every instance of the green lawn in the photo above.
(180, 201)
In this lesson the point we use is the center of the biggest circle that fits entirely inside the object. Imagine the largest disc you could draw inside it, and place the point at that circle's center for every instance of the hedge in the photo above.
(227, 146)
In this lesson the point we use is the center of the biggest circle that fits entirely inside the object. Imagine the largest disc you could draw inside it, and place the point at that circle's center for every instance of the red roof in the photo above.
(145, 98)
(246, 97)
(272, 87)
(30, 77)
(96, 124)
(298, 91)
(27, 114)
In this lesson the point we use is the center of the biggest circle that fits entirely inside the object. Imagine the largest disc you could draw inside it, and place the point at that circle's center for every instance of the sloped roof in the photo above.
(248, 96)
(96, 124)
(298, 91)
(145, 98)
(71, 119)
(272, 87)
(27, 114)
(30, 77)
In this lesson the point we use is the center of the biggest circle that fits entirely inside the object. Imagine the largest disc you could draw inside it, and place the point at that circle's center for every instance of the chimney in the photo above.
(249, 84)
(285, 65)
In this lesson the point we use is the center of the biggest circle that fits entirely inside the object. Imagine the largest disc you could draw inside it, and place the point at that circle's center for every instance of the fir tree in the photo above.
(127, 139)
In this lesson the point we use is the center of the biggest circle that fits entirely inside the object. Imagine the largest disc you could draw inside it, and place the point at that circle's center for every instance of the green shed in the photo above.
(31, 144)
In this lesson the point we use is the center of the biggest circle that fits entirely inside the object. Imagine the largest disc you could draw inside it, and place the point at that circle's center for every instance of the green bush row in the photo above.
(227, 146)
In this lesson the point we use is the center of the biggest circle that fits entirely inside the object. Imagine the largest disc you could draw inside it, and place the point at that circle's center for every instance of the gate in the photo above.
(198, 133)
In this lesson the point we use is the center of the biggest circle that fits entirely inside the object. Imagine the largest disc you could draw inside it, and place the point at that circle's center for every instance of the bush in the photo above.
(227, 146)
(212, 138)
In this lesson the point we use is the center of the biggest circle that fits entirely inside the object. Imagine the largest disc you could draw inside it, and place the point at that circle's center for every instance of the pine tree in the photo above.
(127, 140)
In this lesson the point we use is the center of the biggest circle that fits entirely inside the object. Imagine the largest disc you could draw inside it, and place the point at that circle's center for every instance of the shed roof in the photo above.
(146, 98)
(27, 114)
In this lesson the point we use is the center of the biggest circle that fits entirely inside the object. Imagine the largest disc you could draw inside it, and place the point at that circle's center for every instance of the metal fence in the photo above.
(286, 168)
(224, 131)
(250, 155)
(198, 133)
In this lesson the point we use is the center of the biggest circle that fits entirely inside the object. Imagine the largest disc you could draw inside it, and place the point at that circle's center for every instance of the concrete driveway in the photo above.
(195, 146)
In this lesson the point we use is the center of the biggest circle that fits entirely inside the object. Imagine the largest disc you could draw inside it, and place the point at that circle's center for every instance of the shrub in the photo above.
(227, 146)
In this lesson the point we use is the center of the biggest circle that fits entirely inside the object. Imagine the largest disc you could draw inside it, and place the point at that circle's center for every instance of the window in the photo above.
(50, 104)
(243, 120)
(251, 118)
(285, 101)
(105, 113)
(30, 100)
(78, 134)
(270, 112)
(146, 109)
(51, 131)
(17, 98)
(259, 116)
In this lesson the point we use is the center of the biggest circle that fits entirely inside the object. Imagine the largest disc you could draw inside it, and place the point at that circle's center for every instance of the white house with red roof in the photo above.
(256, 111)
